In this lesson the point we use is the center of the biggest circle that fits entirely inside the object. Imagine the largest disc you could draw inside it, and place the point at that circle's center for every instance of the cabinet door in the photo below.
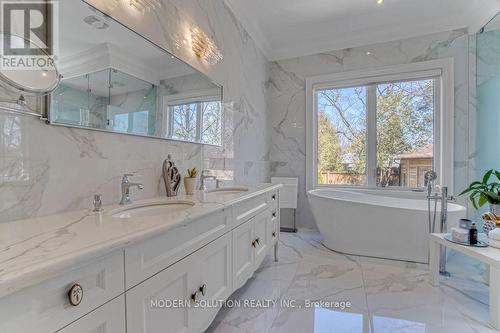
(149, 304)
(215, 280)
(243, 253)
(109, 318)
(262, 238)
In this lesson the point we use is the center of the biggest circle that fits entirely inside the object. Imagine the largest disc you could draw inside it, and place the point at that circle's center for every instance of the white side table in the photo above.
(488, 255)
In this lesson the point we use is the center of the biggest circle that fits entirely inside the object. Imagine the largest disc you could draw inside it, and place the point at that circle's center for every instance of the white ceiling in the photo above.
(290, 28)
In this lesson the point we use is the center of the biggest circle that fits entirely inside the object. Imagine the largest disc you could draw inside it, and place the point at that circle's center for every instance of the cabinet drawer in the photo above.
(46, 308)
(250, 208)
(109, 318)
(152, 256)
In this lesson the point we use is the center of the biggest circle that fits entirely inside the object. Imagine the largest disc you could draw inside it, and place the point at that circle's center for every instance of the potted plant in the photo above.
(190, 181)
(483, 192)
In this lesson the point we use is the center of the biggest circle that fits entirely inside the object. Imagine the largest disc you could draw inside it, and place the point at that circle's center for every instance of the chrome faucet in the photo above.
(204, 177)
(443, 225)
(429, 178)
(126, 185)
(445, 198)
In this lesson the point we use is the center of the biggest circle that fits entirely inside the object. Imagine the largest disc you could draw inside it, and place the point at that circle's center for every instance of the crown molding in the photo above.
(473, 20)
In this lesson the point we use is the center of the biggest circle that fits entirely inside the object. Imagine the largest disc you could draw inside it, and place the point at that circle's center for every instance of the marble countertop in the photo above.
(35, 250)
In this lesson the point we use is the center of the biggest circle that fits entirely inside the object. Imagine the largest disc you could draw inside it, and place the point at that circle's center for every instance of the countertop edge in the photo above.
(47, 270)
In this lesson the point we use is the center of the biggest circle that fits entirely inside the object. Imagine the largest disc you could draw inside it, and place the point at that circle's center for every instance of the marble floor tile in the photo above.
(253, 319)
(321, 291)
(321, 320)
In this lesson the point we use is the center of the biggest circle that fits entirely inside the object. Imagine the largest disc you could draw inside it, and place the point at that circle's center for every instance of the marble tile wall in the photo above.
(48, 169)
(286, 99)
(243, 73)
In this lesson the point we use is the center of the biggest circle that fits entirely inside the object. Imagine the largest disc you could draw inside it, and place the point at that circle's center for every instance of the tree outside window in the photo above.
(404, 133)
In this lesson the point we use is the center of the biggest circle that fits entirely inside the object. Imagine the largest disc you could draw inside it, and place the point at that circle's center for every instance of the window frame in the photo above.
(440, 70)
(197, 97)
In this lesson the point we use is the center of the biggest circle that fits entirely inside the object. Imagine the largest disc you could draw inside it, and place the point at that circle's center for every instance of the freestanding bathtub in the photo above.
(382, 225)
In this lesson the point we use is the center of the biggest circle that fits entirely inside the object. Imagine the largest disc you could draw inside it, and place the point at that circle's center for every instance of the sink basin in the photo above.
(152, 209)
(229, 190)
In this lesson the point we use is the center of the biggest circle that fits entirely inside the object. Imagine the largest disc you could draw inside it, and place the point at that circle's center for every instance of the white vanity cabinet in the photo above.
(169, 298)
(167, 301)
(173, 281)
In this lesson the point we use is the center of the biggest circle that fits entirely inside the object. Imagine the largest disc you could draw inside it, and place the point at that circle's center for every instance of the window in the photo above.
(183, 120)
(405, 132)
(381, 131)
(196, 121)
(341, 136)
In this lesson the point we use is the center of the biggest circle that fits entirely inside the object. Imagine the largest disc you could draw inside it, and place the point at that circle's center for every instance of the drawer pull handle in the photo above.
(254, 244)
(203, 289)
(75, 295)
(274, 214)
(274, 197)
(195, 296)
(257, 241)
(274, 234)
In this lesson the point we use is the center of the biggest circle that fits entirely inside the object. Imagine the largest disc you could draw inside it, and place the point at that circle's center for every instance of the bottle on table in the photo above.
(473, 234)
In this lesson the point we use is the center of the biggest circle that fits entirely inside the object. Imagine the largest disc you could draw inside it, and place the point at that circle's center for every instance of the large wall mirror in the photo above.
(115, 80)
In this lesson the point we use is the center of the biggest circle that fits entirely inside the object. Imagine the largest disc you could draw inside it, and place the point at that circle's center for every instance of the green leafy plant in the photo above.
(484, 191)
(192, 173)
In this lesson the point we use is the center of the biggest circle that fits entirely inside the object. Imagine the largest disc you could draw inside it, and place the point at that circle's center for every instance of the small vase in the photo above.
(189, 185)
(495, 209)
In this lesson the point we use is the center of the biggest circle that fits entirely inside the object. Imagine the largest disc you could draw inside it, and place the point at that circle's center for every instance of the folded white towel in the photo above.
(494, 243)
(460, 235)
(494, 234)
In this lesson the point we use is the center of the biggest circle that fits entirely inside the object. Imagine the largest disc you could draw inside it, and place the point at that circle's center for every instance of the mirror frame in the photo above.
(47, 100)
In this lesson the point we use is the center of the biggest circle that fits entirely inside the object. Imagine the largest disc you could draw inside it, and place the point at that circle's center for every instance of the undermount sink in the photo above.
(151, 209)
(229, 190)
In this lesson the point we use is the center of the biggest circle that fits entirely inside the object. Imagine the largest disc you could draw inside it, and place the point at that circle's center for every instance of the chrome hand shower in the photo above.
(429, 178)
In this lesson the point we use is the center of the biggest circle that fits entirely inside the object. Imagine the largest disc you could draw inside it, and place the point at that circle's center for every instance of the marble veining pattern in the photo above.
(386, 296)
(47, 170)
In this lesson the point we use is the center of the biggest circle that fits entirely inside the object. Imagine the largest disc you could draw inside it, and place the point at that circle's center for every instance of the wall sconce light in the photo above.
(204, 47)
(145, 5)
